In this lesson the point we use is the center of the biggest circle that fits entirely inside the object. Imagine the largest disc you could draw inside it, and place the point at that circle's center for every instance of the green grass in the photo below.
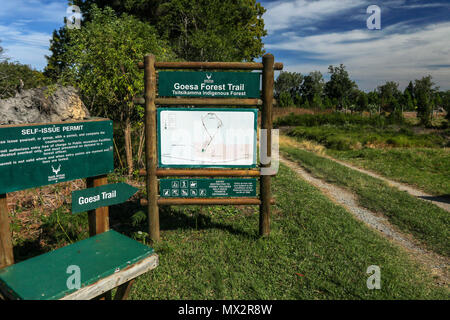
(424, 168)
(424, 220)
(355, 137)
(336, 118)
(215, 253)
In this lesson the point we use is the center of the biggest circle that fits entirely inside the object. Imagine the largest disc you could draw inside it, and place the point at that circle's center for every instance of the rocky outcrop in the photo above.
(40, 105)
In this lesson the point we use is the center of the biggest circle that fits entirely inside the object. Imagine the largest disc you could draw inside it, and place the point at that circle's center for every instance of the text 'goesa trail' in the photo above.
(102, 196)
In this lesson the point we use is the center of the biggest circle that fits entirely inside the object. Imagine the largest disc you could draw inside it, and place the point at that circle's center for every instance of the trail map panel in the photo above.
(207, 137)
(209, 84)
(207, 188)
(43, 154)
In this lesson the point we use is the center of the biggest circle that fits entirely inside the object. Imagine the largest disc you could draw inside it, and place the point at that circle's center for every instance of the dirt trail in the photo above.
(401, 186)
(437, 264)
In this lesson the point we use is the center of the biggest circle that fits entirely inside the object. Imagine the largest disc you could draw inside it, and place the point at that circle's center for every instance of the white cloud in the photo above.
(426, 5)
(373, 57)
(24, 45)
(303, 13)
(20, 22)
(33, 10)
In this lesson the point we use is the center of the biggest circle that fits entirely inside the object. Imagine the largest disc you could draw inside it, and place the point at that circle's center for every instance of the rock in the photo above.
(40, 105)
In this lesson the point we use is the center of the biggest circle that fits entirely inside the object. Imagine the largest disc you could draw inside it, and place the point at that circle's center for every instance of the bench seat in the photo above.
(106, 261)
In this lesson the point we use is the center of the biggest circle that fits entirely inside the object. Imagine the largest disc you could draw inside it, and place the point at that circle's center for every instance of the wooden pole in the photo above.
(204, 172)
(150, 146)
(206, 201)
(208, 101)
(212, 65)
(6, 248)
(98, 218)
(266, 123)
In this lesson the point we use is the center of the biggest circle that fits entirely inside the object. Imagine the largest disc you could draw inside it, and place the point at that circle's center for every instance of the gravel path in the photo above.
(438, 201)
(438, 265)
(412, 191)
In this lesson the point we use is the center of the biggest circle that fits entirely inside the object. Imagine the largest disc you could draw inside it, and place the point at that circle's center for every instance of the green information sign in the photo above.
(38, 155)
(102, 196)
(207, 188)
(209, 84)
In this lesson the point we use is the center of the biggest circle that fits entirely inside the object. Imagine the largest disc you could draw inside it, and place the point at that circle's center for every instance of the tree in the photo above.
(55, 62)
(213, 30)
(102, 61)
(15, 77)
(327, 103)
(288, 82)
(203, 30)
(285, 100)
(340, 86)
(373, 97)
(312, 86)
(316, 102)
(298, 100)
(1, 53)
(362, 101)
(389, 96)
(409, 89)
(424, 92)
(446, 103)
(408, 100)
(306, 104)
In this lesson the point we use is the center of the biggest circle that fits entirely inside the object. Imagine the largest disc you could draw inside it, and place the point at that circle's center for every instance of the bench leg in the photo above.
(123, 290)
(104, 296)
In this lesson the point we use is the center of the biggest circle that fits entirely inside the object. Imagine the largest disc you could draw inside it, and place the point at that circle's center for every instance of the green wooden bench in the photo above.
(106, 261)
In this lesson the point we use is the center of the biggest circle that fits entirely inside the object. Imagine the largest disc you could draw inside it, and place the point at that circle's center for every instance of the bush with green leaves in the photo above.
(11, 75)
(102, 60)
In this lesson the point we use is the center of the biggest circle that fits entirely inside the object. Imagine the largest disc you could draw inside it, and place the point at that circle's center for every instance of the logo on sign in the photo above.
(208, 78)
(56, 175)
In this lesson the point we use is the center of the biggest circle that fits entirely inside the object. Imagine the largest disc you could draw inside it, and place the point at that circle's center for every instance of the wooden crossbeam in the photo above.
(212, 65)
(207, 201)
(204, 172)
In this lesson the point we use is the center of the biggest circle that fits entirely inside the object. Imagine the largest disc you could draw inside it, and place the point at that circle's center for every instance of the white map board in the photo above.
(207, 137)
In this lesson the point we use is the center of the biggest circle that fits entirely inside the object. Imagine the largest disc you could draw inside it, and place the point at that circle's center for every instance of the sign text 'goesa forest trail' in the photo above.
(209, 84)
(37, 155)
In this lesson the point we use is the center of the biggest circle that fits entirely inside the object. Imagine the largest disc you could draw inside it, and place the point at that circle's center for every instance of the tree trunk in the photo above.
(141, 146)
(128, 146)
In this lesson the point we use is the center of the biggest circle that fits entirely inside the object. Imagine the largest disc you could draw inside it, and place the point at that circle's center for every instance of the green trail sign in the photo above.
(102, 196)
(207, 188)
(42, 154)
(209, 84)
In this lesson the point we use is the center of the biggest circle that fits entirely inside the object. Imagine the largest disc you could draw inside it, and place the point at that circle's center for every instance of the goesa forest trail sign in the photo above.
(209, 84)
(37, 155)
(193, 141)
(207, 137)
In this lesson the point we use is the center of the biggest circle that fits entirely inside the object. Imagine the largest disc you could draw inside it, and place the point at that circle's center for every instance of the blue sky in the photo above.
(305, 35)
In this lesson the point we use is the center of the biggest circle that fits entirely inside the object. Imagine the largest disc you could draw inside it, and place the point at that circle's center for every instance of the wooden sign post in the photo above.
(206, 89)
